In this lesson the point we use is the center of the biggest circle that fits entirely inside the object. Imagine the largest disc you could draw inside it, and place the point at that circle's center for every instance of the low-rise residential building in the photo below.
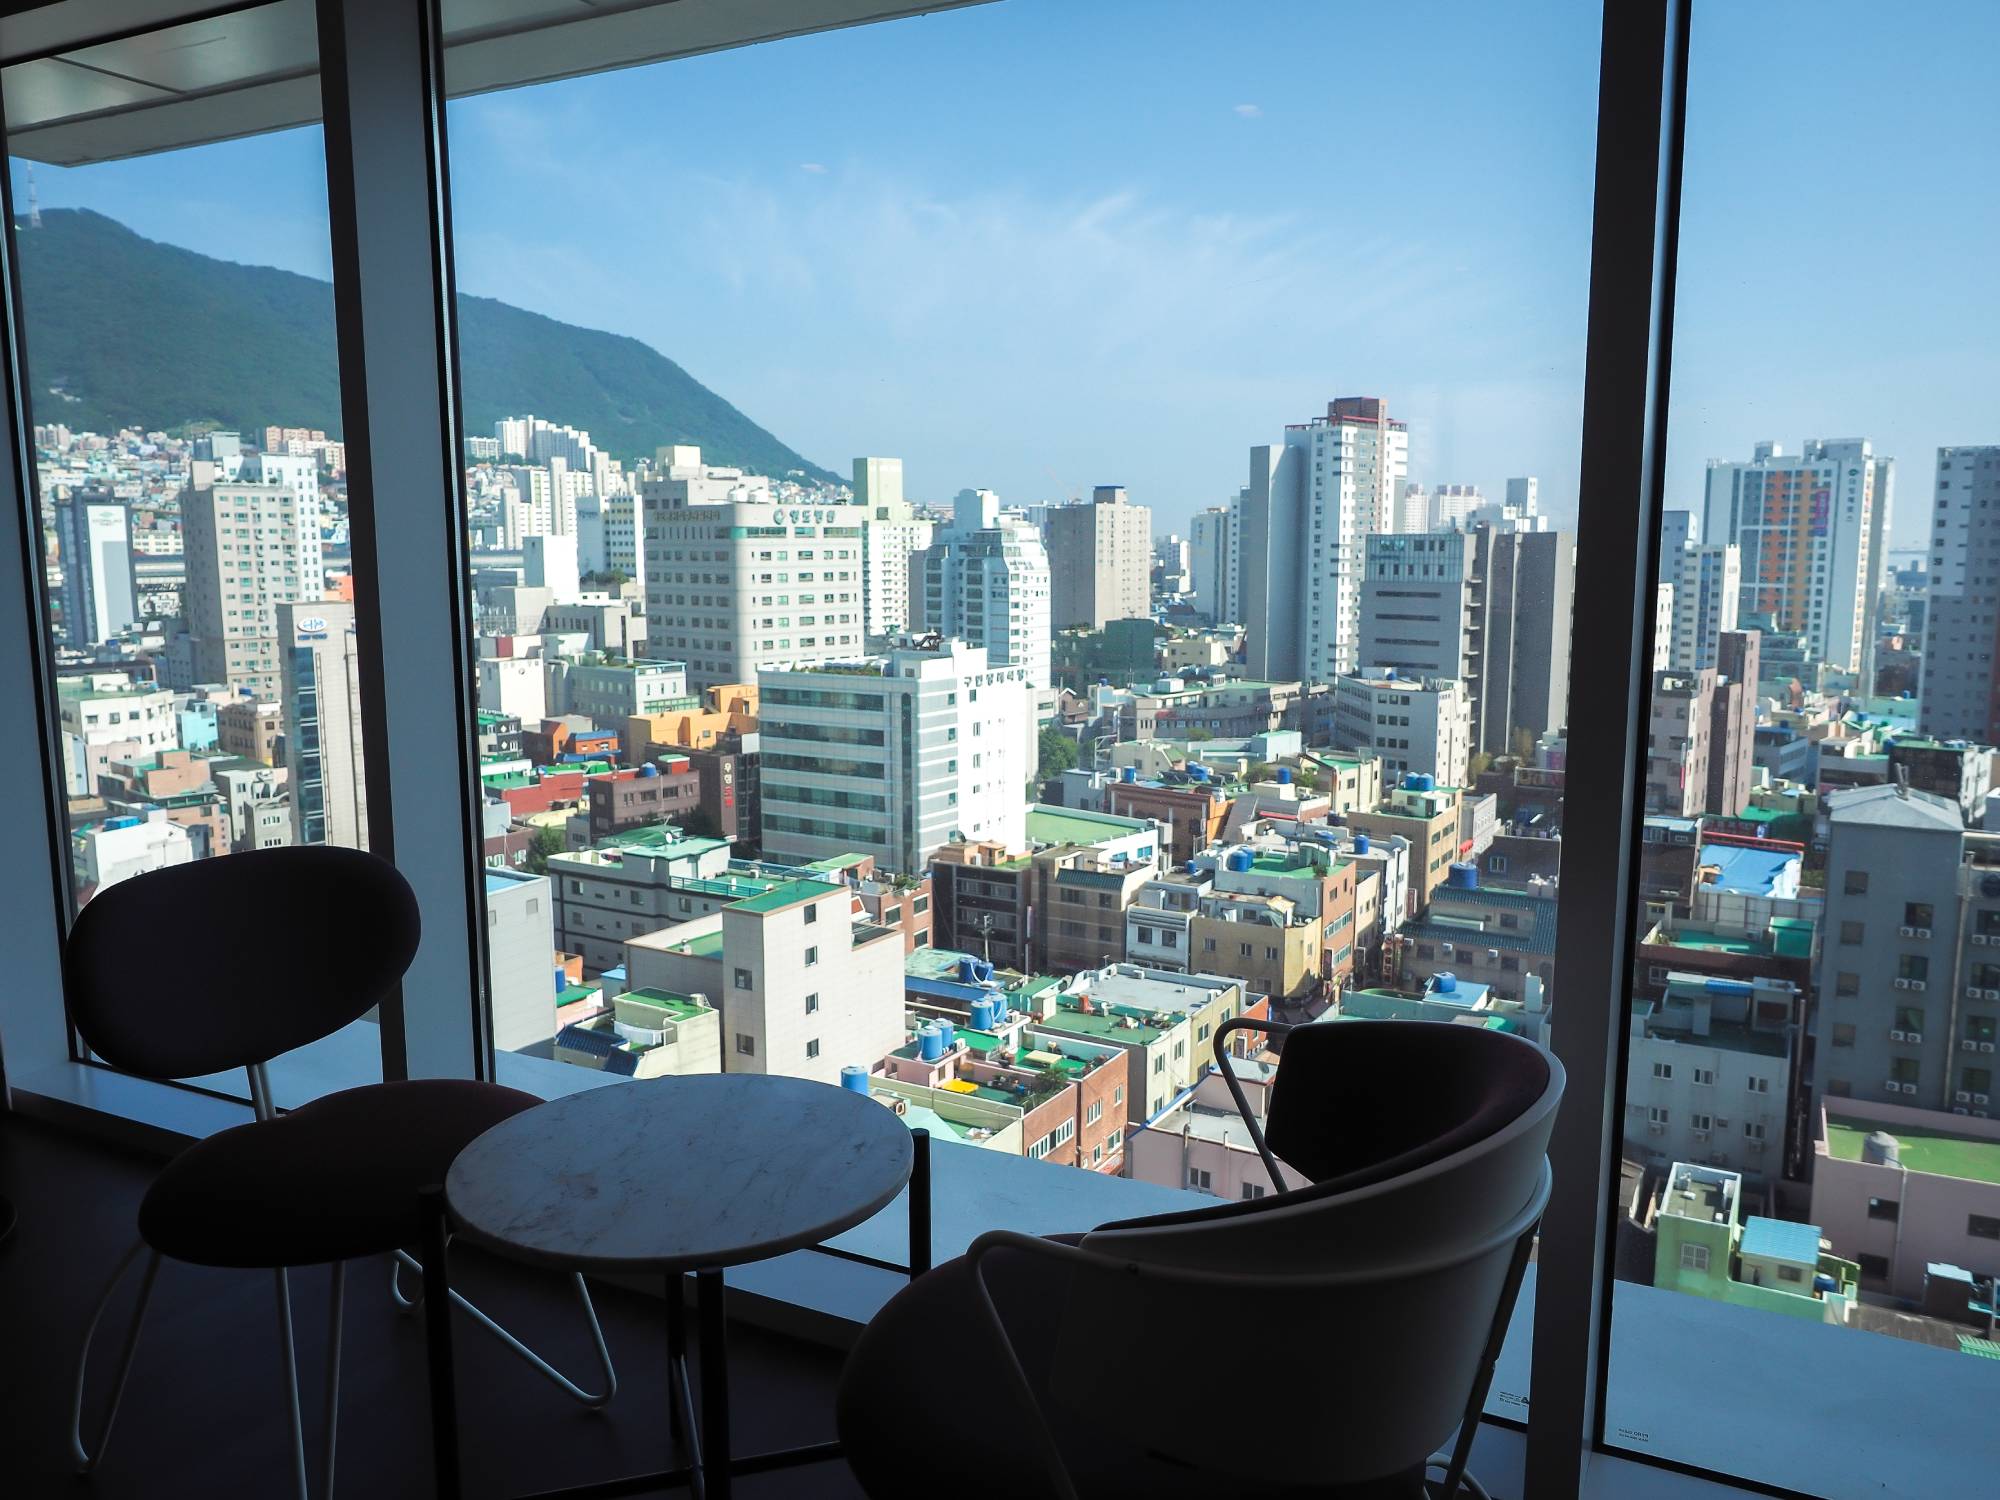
(1426, 815)
(666, 790)
(1155, 1044)
(1446, 997)
(641, 882)
(105, 716)
(520, 944)
(610, 690)
(803, 988)
(1265, 940)
(106, 851)
(250, 729)
(725, 710)
(1712, 1075)
(1414, 725)
(1201, 1143)
(1190, 806)
(1730, 936)
(646, 1033)
(1499, 935)
(1207, 1000)
(1353, 781)
(1956, 770)
(1704, 1247)
(1313, 876)
(1898, 1188)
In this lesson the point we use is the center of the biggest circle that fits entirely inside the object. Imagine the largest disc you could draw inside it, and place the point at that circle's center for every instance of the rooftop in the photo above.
(1780, 1239)
(1753, 872)
(700, 945)
(792, 892)
(1887, 806)
(1071, 825)
(1676, 1024)
(1923, 1148)
(1113, 1023)
(680, 1007)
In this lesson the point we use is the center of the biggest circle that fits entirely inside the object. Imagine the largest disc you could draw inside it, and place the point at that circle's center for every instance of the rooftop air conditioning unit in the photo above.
(1902, 984)
(1968, 1046)
(1973, 992)
(1916, 1037)
(1923, 932)
(1899, 1036)
(1991, 994)
(1892, 1087)
(1979, 940)
(1980, 1099)
(1959, 1109)
(1920, 984)
(1962, 1097)
(1985, 1046)
(1907, 931)
(1909, 1088)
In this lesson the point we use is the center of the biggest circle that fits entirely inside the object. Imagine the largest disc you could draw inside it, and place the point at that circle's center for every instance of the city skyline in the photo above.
(1026, 304)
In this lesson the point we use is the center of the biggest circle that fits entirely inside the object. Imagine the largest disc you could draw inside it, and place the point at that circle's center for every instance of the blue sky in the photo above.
(1040, 246)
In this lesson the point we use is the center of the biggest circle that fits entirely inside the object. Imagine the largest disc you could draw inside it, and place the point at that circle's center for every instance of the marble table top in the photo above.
(679, 1173)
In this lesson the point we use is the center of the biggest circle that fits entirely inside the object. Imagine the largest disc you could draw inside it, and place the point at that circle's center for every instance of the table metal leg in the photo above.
(437, 1345)
(715, 1449)
(920, 1204)
(679, 1399)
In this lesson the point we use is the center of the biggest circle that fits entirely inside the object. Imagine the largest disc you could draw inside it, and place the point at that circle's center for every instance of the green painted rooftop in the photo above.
(575, 992)
(701, 945)
(1104, 1024)
(836, 863)
(789, 894)
(1925, 1148)
(1069, 825)
(1287, 867)
(680, 1007)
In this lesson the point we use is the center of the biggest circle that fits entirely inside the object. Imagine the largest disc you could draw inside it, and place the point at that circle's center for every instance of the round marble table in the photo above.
(681, 1175)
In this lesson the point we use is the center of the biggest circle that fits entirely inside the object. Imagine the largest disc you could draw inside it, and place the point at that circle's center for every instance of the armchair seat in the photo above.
(898, 1411)
(334, 1180)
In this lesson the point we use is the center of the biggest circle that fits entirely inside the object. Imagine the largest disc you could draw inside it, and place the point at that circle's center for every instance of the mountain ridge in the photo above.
(120, 331)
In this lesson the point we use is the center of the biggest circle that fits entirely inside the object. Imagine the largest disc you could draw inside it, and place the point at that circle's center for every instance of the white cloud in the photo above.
(1250, 111)
(818, 169)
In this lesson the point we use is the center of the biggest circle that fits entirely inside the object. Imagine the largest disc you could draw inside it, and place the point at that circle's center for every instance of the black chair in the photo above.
(291, 945)
(1323, 1341)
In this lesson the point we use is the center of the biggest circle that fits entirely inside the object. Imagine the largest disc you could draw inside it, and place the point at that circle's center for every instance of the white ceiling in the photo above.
(93, 80)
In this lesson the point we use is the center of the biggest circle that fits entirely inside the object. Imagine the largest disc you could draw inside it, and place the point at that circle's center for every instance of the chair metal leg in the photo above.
(85, 1459)
(593, 1401)
(1456, 1478)
(337, 1294)
(292, 1384)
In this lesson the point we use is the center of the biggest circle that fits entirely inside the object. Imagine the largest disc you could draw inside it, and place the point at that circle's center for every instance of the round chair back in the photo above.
(228, 962)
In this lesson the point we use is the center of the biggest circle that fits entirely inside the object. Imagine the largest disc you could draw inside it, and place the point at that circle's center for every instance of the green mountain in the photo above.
(124, 331)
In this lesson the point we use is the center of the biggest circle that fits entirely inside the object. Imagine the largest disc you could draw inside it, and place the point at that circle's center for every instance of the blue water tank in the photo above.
(1000, 1009)
(930, 1043)
(982, 1015)
(1192, 867)
(1284, 776)
(1825, 1283)
(1445, 982)
(1463, 876)
(947, 1031)
(968, 968)
(854, 1079)
(649, 770)
(1129, 774)
(1199, 773)
(1240, 861)
(982, 970)
(1360, 843)
(126, 820)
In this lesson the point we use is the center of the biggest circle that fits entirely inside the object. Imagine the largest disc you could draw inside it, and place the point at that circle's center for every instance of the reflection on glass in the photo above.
(1811, 1162)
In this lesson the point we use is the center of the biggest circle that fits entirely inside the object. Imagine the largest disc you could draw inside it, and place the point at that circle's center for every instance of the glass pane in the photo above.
(186, 394)
(1105, 395)
(1811, 1163)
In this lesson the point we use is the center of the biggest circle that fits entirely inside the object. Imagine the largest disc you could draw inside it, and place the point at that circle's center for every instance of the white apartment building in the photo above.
(1212, 541)
(1310, 503)
(803, 990)
(1100, 560)
(550, 562)
(250, 548)
(735, 586)
(1413, 509)
(1961, 687)
(1451, 505)
(520, 960)
(1419, 726)
(891, 532)
(534, 507)
(105, 717)
(515, 685)
(1707, 586)
(94, 544)
(1811, 528)
(893, 757)
(1708, 1075)
(259, 801)
(610, 692)
(321, 698)
(986, 582)
(116, 849)
(1518, 512)
(1663, 625)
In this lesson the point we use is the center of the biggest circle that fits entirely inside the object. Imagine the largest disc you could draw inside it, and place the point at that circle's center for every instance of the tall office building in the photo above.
(1413, 510)
(1415, 725)
(737, 585)
(99, 593)
(1212, 560)
(1678, 529)
(250, 547)
(1423, 604)
(1811, 528)
(891, 533)
(1100, 560)
(321, 700)
(1707, 584)
(894, 765)
(1310, 503)
(1961, 684)
(1530, 589)
(1452, 504)
(1520, 511)
(986, 582)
